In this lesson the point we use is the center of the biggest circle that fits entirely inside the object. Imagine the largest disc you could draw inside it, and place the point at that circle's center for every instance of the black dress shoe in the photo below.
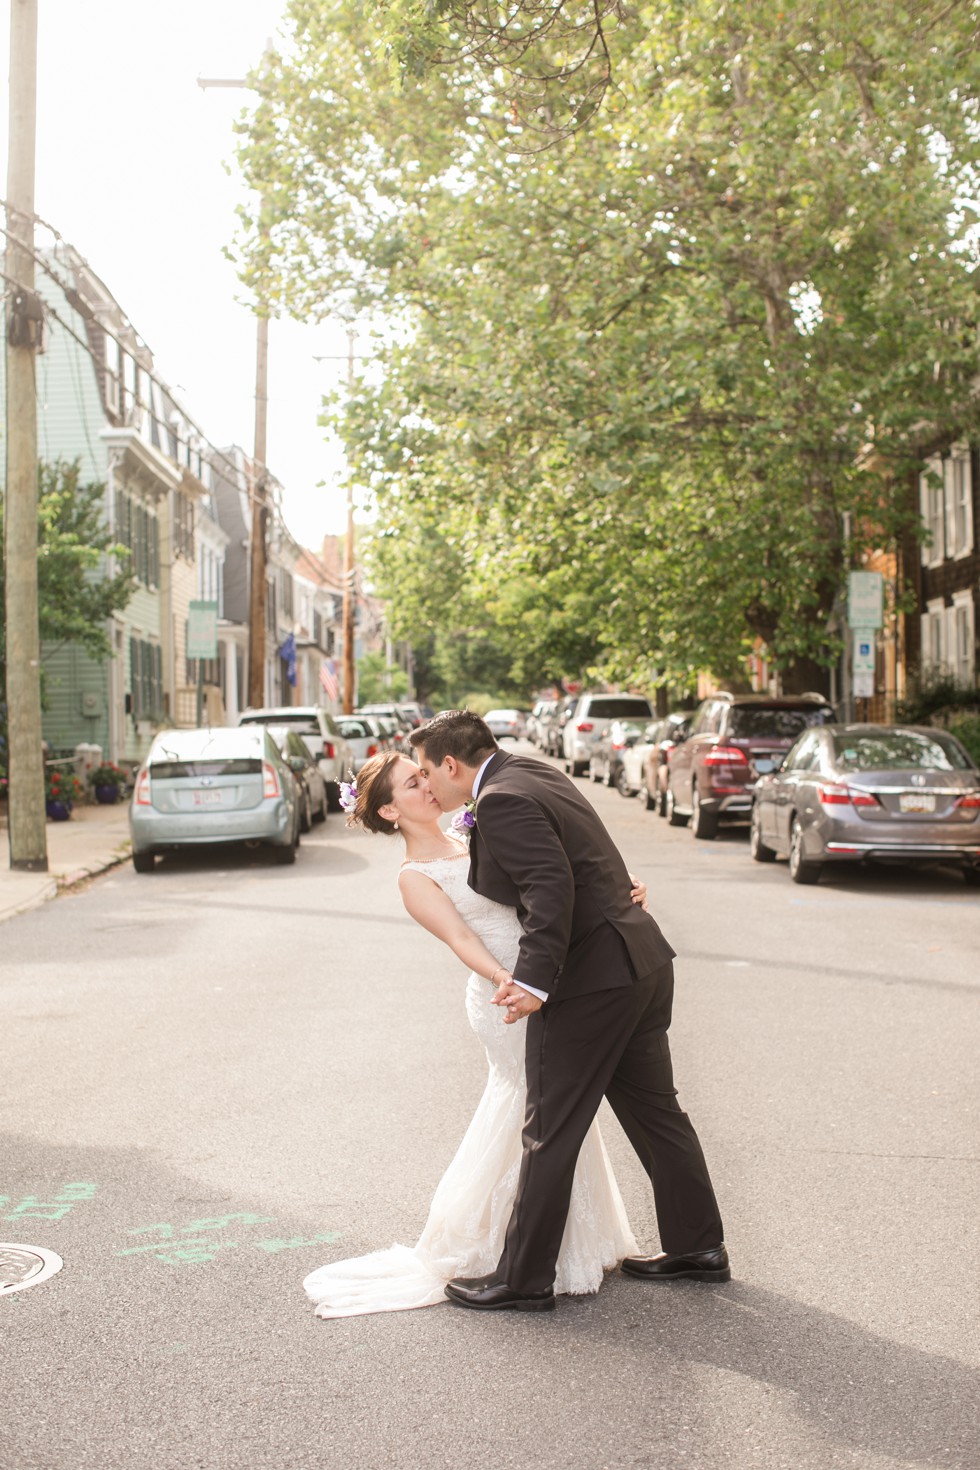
(694, 1266)
(487, 1294)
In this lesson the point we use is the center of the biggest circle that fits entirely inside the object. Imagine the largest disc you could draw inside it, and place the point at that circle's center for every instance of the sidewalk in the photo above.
(95, 838)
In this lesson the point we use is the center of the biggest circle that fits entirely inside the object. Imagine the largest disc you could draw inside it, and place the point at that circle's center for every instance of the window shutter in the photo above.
(135, 687)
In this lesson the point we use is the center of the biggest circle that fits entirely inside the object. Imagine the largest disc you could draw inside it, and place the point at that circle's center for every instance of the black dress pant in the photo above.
(611, 1043)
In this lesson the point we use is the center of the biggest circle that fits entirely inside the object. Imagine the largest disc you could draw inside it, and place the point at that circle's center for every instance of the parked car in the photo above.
(859, 793)
(322, 736)
(733, 740)
(644, 763)
(397, 726)
(537, 718)
(606, 760)
(591, 715)
(506, 724)
(365, 736)
(205, 787)
(306, 773)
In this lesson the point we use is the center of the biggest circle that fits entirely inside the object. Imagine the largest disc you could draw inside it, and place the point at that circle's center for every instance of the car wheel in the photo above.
(661, 803)
(144, 862)
(971, 877)
(800, 870)
(579, 768)
(610, 779)
(703, 824)
(757, 848)
(306, 816)
(321, 814)
(622, 785)
(286, 855)
(333, 796)
(670, 811)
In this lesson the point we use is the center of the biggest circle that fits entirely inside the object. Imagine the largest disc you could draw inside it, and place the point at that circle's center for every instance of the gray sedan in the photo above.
(850, 793)
(203, 787)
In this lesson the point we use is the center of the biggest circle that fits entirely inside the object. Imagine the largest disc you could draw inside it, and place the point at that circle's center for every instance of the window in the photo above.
(932, 511)
(958, 489)
(137, 529)
(962, 653)
(933, 632)
(146, 679)
(183, 513)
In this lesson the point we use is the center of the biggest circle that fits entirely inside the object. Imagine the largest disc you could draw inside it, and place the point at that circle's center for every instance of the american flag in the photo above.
(328, 678)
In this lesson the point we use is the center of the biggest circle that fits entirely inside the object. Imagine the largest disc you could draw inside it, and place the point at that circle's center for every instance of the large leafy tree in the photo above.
(76, 593)
(643, 371)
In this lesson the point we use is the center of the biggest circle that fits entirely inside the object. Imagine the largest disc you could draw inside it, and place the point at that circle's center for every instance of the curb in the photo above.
(66, 881)
(48, 890)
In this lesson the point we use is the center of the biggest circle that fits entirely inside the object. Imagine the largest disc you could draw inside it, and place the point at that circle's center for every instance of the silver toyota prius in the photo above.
(852, 793)
(208, 786)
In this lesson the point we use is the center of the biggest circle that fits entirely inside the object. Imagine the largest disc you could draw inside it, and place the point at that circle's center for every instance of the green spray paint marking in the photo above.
(30, 1207)
(194, 1244)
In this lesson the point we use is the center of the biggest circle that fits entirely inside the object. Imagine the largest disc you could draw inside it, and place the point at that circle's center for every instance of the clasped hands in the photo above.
(519, 1003)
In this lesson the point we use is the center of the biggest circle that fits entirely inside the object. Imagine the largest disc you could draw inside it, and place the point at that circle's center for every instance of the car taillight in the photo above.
(270, 780)
(842, 795)
(328, 749)
(141, 796)
(584, 726)
(372, 750)
(968, 802)
(725, 755)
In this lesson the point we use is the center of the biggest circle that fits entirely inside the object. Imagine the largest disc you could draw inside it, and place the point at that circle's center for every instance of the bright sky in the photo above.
(131, 169)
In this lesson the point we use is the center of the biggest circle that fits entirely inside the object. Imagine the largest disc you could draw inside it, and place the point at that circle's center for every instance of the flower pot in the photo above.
(106, 795)
(58, 811)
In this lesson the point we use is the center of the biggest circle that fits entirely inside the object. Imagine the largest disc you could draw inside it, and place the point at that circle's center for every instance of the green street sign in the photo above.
(865, 599)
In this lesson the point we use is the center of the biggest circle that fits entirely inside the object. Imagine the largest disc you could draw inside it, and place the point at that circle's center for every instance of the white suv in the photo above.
(322, 735)
(591, 716)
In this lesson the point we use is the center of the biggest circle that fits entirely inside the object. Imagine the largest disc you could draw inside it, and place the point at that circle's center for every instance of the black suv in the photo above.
(733, 740)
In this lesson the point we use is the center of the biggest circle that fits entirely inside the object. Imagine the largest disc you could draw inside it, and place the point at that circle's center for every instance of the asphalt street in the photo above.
(219, 1076)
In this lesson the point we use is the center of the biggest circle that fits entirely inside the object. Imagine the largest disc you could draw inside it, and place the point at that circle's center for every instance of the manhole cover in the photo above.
(22, 1266)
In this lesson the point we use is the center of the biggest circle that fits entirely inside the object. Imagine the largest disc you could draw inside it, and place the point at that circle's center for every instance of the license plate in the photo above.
(208, 798)
(917, 801)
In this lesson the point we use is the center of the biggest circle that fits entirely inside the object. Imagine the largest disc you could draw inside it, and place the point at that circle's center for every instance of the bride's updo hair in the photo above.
(375, 786)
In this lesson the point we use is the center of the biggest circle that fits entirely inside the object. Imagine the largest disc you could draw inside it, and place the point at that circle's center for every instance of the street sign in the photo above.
(202, 630)
(865, 599)
(863, 663)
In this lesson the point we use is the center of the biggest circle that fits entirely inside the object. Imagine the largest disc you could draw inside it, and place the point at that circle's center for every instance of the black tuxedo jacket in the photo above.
(539, 846)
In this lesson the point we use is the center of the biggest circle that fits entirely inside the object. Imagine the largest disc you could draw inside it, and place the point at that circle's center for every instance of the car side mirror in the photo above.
(297, 763)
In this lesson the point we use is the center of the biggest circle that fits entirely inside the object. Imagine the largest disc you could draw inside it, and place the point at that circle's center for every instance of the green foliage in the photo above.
(639, 374)
(967, 731)
(378, 681)
(76, 595)
(935, 695)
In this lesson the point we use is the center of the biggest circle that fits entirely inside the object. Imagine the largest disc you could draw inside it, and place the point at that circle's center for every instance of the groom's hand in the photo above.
(519, 1003)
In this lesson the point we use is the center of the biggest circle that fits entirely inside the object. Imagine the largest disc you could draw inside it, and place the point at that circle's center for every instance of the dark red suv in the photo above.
(733, 740)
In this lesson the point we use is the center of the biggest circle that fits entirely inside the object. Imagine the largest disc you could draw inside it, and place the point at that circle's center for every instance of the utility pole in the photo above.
(348, 619)
(27, 836)
(347, 616)
(258, 479)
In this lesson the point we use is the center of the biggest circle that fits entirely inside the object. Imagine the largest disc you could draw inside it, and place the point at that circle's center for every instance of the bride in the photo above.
(468, 1217)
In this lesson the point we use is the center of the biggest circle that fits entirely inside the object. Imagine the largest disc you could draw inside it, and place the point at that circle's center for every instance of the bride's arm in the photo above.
(431, 908)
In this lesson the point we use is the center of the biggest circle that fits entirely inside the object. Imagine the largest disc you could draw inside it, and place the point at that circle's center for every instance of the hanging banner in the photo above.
(202, 630)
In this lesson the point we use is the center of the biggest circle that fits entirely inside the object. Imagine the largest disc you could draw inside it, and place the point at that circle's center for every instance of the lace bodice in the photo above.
(496, 924)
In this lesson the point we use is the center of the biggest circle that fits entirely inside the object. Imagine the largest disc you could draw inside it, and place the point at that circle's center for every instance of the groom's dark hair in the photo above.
(456, 732)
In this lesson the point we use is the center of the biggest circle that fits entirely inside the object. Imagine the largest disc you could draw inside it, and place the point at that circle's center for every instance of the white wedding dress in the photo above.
(468, 1217)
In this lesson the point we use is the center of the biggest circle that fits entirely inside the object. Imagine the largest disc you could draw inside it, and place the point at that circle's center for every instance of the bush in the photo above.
(935, 694)
(967, 731)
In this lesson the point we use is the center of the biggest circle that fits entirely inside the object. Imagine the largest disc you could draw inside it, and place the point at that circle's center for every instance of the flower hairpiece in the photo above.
(465, 820)
(348, 795)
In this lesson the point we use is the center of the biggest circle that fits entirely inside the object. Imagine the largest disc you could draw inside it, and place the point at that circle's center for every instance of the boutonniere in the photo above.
(465, 820)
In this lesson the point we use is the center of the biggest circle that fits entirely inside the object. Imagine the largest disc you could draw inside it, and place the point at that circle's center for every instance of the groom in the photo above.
(594, 977)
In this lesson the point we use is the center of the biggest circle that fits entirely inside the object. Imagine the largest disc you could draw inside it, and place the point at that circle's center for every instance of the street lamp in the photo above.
(259, 475)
